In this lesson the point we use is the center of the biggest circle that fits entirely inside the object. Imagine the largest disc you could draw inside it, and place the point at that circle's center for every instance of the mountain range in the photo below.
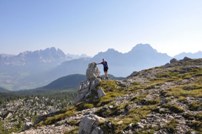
(3, 90)
(142, 56)
(23, 71)
(33, 69)
(191, 55)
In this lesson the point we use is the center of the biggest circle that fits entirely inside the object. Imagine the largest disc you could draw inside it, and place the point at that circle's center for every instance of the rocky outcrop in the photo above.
(92, 71)
(89, 87)
(173, 61)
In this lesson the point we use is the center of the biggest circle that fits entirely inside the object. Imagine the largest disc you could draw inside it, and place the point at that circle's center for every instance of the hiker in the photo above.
(105, 66)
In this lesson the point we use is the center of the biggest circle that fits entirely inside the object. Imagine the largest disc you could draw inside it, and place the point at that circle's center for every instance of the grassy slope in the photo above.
(149, 91)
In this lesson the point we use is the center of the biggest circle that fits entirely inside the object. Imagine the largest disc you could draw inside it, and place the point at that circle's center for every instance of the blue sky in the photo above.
(91, 26)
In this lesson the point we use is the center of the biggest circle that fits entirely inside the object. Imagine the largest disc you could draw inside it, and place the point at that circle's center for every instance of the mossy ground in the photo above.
(53, 119)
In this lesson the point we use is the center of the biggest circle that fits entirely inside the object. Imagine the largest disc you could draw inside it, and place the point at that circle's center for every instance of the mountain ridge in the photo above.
(28, 74)
(3, 90)
(189, 54)
(123, 61)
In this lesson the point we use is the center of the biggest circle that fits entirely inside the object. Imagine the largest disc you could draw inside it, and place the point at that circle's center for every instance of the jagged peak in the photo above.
(111, 50)
(46, 50)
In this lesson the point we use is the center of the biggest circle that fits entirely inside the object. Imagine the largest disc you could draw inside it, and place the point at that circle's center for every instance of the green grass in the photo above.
(174, 108)
(53, 119)
(2, 131)
(113, 111)
(171, 126)
(73, 131)
(15, 128)
(196, 125)
(197, 116)
(84, 105)
(110, 96)
(195, 106)
(134, 116)
(193, 87)
(135, 87)
(179, 91)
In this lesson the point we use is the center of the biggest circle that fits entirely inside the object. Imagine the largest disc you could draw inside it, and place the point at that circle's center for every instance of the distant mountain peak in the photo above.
(48, 52)
(142, 47)
(189, 54)
(51, 48)
(112, 51)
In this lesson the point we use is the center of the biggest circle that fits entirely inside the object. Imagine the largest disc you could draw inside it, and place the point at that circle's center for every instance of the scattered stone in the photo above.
(9, 115)
(89, 125)
(28, 125)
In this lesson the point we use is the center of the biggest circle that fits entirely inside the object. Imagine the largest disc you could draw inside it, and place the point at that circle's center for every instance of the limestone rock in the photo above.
(89, 87)
(94, 83)
(83, 91)
(9, 115)
(89, 124)
(97, 130)
(28, 125)
(101, 93)
(92, 72)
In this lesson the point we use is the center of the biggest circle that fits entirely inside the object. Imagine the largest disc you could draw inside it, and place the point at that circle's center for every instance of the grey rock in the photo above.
(186, 59)
(135, 73)
(97, 130)
(89, 124)
(172, 61)
(101, 93)
(140, 125)
(28, 125)
(89, 87)
(83, 91)
(92, 72)
(94, 83)
(167, 65)
(9, 115)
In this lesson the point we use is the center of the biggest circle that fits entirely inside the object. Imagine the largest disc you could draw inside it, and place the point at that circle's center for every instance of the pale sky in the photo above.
(91, 26)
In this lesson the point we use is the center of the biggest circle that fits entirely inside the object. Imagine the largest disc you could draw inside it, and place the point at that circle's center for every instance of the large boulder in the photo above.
(88, 88)
(92, 72)
(90, 124)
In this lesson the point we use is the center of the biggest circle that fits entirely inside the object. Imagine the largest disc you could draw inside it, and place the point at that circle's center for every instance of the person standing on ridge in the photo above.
(105, 67)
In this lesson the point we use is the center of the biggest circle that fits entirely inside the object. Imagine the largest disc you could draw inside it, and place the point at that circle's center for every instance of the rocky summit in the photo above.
(88, 89)
(160, 100)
